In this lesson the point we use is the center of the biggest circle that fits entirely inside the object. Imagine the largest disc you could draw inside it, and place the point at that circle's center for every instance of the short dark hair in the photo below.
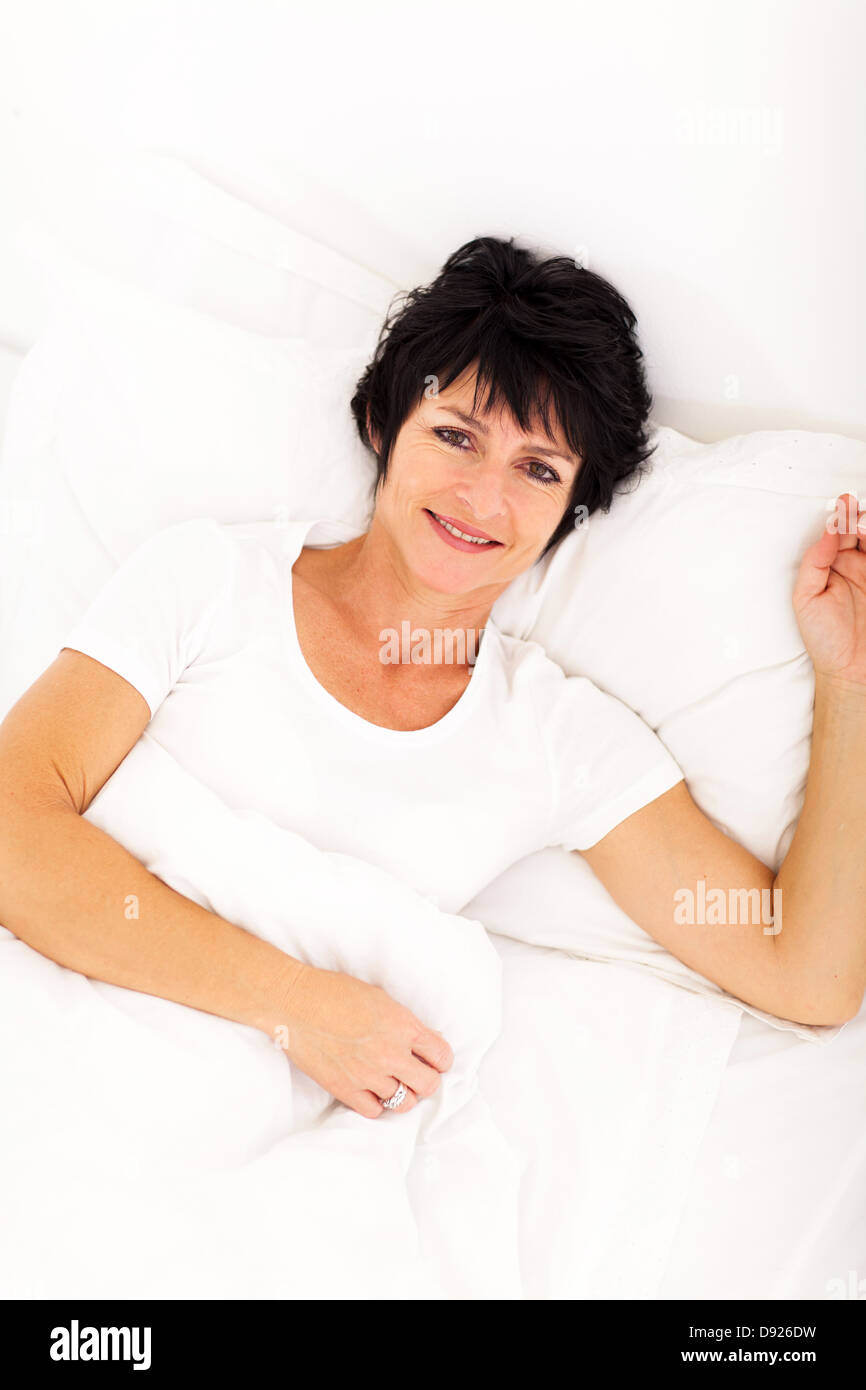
(540, 330)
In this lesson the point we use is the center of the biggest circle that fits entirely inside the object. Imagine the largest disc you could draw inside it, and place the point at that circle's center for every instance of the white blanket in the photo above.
(157, 1151)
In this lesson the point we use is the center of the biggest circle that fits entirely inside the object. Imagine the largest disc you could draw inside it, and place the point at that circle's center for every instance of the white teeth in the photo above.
(476, 540)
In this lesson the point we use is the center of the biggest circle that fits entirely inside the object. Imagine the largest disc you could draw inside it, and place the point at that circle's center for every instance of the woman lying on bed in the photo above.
(504, 403)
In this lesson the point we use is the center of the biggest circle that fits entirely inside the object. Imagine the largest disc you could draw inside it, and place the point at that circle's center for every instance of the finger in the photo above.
(815, 567)
(861, 528)
(423, 1079)
(845, 521)
(432, 1048)
(850, 565)
(367, 1104)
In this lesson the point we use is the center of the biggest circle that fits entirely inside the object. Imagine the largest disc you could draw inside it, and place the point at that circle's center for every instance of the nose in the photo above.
(482, 489)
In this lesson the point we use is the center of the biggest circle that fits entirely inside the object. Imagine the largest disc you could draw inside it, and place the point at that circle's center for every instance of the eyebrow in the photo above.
(483, 429)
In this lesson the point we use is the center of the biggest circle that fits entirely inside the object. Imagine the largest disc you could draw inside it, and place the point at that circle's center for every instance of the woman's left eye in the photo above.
(547, 475)
(551, 476)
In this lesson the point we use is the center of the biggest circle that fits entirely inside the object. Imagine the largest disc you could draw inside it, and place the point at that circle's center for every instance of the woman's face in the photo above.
(484, 477)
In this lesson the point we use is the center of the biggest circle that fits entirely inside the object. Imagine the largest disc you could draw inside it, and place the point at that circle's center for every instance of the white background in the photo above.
(708, 157)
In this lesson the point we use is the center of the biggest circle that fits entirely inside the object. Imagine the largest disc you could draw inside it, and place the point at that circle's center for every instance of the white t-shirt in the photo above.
(200, 619)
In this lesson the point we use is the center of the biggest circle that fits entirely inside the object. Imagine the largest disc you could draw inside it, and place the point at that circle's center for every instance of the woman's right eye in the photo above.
(442, 430)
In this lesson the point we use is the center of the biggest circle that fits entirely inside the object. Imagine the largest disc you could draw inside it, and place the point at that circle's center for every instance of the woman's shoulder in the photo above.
(522, 659)
(181, 554)
(562, 702)
(205, 557)
(207, 540)
(287, 537)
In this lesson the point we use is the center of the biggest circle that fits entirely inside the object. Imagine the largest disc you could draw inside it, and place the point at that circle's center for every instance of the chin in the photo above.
(447, 579)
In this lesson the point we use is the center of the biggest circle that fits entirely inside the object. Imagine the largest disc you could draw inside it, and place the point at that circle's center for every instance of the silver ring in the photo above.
(398, 1097)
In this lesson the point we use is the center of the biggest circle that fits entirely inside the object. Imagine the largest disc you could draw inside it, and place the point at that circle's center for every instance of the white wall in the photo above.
(708, 157)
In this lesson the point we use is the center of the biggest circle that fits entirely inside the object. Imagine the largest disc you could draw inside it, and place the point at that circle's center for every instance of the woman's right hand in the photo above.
(358, 1043)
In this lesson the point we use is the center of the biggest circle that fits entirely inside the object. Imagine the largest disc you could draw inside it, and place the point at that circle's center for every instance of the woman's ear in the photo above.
(371, 433)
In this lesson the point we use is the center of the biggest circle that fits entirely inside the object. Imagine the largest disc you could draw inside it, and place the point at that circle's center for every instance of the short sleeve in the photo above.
(607, 762)
(151, 619)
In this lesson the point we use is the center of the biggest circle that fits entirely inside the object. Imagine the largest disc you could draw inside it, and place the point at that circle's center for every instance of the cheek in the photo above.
(540, 515)
(420, 475)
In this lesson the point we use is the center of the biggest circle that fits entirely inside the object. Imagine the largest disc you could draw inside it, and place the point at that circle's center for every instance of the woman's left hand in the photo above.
(830, 595)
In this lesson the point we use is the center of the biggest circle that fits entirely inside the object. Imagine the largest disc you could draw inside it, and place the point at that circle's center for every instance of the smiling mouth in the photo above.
(464, 540)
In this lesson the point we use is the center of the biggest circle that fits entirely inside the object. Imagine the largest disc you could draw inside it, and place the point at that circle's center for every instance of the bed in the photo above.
(657, 1138)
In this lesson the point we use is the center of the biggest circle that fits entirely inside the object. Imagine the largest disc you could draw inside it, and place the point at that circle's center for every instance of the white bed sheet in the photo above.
(776, 1207)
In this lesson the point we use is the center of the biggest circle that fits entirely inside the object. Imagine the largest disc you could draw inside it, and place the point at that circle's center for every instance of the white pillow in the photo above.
(678, 601)
(132, 413)
(259, 246)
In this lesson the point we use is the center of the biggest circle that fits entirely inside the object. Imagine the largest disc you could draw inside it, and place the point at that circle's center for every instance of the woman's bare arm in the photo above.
(77, 896)
(66, 887)
(807, 962)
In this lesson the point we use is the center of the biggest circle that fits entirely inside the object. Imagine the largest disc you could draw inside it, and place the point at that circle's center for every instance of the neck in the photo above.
(367, 577)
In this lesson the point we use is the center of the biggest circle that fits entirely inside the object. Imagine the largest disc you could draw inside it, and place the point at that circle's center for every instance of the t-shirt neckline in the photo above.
(292, 546)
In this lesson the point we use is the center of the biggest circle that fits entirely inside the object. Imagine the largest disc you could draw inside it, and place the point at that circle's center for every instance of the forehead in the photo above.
(459, 399)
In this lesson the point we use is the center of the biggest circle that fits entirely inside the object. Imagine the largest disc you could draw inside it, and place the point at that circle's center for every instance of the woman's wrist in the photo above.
(829, 685)
(287, 998)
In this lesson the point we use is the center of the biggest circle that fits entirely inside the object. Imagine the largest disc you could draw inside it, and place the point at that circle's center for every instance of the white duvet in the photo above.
(151, 1150)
